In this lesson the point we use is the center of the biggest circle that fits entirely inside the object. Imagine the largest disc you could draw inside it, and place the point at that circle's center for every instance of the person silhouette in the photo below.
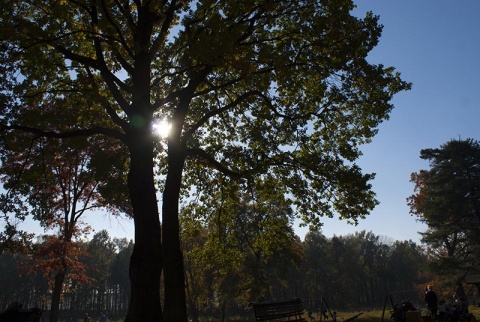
(432, 301)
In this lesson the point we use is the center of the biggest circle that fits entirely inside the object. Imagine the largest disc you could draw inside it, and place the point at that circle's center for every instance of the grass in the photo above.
(376, 315)
(366, 316)
(475, 310)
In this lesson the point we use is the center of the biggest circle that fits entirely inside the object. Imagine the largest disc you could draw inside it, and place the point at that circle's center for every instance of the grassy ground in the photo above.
(376, 316)
(366, 316)
(370, 316)
(475, 310)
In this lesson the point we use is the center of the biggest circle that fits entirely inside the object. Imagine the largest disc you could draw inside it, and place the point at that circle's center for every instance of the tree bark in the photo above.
(174, 275)
(459, 290)
(56, 294)
(146, 261)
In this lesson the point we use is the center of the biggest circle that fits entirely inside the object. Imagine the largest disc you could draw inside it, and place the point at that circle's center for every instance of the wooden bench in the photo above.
(291, 310)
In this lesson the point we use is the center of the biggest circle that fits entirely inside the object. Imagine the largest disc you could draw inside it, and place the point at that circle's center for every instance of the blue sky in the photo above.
(435, 44)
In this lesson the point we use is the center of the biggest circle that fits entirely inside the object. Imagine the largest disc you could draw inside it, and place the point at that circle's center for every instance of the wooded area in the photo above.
(245, 250)
(354, 271)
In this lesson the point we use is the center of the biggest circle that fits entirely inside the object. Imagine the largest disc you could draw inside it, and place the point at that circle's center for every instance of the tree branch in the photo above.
(58, 135)
(197, 152)
(218, 111)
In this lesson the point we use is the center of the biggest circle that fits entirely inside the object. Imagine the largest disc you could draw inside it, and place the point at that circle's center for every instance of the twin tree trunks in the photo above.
(147, 261)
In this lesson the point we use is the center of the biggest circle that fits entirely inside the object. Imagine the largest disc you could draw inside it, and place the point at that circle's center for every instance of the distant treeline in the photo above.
(353, 271)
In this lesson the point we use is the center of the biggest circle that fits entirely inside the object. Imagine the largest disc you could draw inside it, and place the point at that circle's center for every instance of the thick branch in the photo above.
(67, 134)
(217, 165)
(106, 104)
(167, 22)
(121, 38)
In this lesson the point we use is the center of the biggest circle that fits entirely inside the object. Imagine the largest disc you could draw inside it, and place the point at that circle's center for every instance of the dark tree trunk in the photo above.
(459, 290)
(174, 276)
(56, 294)
(146, 260)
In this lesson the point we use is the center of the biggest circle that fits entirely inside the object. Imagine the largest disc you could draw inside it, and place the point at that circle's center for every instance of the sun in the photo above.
(161, 128)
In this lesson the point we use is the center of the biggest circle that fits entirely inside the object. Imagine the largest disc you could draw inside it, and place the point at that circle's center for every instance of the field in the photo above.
(373, 316)
(366, 316)
(376, 316)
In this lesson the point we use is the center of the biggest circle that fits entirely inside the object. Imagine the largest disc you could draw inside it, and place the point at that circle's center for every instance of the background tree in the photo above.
(58, 260)
(316, 278)
(447, 199)
(369, 250)
(405, 263)
(12, 212)
(119, 281)
(57, 183)
(101, 254)
(368, 266)
(246, 237)
(222, 288)
(30, 290)
(194, 239)
(250, 88)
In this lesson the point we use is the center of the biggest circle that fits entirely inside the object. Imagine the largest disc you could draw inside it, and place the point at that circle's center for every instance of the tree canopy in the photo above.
(255, 91)
(59, 183)
(447, 199)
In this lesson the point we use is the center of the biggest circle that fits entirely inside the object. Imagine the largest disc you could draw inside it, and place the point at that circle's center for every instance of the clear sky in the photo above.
(435, 44)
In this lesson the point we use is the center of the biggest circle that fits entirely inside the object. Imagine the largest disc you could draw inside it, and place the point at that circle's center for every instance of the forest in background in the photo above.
(244, 250)
(351, 272)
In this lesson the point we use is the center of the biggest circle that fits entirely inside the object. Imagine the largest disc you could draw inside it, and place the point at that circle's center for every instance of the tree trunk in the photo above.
(146, 261)
(459, 290)
(192, 298)
(56, 294)
(175, 309)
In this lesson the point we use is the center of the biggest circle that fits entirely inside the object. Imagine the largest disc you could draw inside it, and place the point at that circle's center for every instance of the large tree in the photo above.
(447, 199)
(249, 87)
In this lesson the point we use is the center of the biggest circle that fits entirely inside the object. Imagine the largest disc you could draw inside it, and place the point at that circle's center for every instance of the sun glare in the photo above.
(161, 128)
